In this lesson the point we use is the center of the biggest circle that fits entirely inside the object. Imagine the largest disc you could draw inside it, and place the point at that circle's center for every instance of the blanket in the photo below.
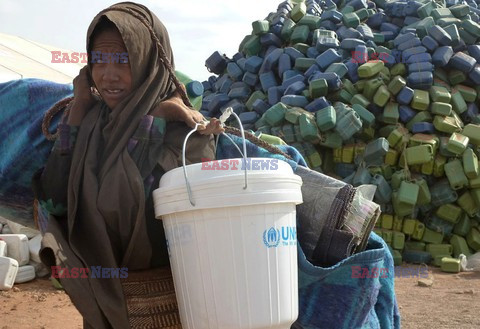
(23, 148)
(356, 292)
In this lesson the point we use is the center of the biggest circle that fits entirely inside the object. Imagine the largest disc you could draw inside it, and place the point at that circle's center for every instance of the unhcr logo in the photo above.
(284, 236)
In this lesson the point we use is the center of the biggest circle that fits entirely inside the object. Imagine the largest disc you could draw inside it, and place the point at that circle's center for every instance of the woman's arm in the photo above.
(173, 109)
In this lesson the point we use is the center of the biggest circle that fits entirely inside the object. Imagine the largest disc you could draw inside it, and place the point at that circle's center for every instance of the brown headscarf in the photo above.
(106, 197)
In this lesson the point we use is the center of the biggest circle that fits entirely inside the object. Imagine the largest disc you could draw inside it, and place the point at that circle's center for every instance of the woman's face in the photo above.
(111, 74)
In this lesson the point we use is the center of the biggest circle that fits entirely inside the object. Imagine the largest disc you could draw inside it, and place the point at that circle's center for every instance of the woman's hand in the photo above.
(83, 98)
(173, 109)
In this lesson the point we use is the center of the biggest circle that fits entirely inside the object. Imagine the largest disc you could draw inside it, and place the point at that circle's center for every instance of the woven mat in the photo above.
(151, 301)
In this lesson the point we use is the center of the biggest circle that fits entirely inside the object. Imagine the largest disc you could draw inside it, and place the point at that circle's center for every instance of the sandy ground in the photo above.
(453, 301)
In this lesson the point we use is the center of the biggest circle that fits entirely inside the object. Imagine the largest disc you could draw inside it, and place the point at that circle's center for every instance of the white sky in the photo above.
(197, 28)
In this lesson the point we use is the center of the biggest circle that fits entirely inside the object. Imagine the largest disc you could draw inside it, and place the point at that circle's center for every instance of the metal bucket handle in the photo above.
(228, 112)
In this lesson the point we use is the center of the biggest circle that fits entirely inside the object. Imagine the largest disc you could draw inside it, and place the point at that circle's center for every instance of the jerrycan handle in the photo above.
(226, 114)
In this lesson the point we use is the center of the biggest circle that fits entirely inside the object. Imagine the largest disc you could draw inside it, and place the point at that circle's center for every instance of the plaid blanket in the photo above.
(23, 148)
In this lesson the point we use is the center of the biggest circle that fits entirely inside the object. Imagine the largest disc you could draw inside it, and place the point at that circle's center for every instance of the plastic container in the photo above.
(429, 43)
(472, 131)
(459, 245)
(348, 125)
(419, 230)
(253, 64)
(440, 94)
(405, 96)
(34, 245)
(8, 272)
(318, 88)
(455, 174)
(328, 57)
(424, 195)
(398, 240)
(457, 143)
(366, 116)
(439, 34)
(17, 247)
(415, 245)
(419, 154)
(408, 193)
(439, 249)
(382, 96)
(450, 265)
(422, 79)
(420, 100)
(463, 226)
(236, 245)
(383, 193)
(370, 69)
(408, 226)
(442, 56)
(473, 239)
(25, 273)
(260, 26)
(440, 108)
(413, 51)
(391, 113)
(416, 257)
(449, 212)
(375, 151)
(3, 248)
(397, 224)
(462, 62)
(430, 236)
(216, 63)
(308, 128)
(397, 258)
(275, 114)
(326, 118)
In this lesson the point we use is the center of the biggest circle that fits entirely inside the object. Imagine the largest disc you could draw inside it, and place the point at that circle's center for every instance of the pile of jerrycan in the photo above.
(19, 254)
(372, 92)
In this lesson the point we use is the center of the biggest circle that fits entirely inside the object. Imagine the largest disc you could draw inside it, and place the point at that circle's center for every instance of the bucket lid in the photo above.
(220, 183)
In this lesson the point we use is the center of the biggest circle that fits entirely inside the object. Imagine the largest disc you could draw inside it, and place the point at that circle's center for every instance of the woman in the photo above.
(110, 154)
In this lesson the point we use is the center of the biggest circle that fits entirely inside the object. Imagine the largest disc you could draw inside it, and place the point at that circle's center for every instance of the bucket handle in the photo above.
(226, 114)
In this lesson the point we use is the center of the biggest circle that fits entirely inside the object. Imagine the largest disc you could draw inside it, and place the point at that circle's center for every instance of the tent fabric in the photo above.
(21, 58)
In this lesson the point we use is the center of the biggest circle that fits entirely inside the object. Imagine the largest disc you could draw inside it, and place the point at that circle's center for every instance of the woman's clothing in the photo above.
(103, 211)
(154, 149)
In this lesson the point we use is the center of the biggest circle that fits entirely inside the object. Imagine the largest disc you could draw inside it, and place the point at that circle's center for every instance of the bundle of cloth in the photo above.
(334, 225)
(24, 149)
(334, 222)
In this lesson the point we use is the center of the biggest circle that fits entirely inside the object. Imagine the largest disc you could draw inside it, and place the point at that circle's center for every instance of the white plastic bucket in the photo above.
(234, 254)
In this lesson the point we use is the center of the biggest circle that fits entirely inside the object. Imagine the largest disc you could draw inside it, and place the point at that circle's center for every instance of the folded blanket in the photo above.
(348, 294)
(24, 149)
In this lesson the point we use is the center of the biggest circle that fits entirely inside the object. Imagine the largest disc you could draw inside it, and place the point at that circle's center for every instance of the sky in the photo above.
(197, 28)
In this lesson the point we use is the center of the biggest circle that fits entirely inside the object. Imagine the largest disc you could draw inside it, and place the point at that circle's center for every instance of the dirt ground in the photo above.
(453, 301)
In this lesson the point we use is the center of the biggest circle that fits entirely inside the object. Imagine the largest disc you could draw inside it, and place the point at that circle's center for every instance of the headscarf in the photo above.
(101, 165)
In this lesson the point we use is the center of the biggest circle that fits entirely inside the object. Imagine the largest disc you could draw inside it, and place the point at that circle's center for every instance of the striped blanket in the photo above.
(23, 148)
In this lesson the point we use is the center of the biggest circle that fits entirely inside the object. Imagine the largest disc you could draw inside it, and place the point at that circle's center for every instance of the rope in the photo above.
(47, 118)
(257, 141)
